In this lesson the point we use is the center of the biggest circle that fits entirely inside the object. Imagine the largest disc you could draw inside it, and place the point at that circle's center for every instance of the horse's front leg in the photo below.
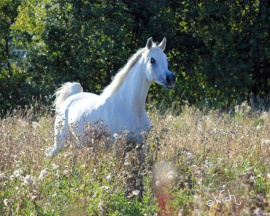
(61, 136)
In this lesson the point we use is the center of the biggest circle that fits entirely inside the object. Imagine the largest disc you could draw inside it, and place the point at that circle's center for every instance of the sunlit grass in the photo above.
(185, 161)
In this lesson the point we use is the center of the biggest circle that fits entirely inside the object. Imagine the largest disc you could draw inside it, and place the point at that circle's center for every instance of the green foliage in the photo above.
(233, 52)
(10, 79)
(218, 50)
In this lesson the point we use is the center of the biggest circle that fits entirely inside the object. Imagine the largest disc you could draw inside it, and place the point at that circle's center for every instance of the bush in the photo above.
(218, 50)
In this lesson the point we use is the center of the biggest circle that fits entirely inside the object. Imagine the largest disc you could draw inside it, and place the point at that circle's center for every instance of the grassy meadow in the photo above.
(192, 162)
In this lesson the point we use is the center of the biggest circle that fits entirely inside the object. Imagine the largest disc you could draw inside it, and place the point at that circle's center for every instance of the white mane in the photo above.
(121, 75)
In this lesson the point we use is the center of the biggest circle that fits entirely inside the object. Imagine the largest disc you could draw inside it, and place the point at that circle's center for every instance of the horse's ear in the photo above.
(162, 45)
(149, 43)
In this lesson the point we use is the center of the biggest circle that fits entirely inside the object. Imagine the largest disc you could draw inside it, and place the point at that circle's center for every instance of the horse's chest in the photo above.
(138, 123)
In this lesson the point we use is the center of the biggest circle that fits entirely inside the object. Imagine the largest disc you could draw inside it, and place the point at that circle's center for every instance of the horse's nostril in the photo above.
(168, 79)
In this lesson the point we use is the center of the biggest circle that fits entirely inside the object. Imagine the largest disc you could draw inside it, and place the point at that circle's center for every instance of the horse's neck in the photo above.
(133, 91)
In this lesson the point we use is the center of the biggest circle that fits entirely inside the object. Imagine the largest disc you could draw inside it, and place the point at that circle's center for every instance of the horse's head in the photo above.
(156, 64)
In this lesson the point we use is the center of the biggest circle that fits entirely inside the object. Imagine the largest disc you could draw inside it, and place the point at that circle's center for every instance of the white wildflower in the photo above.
(65, 172)
(66, 154)
(34, 198)
(55, 166)
(43, 173)
(258, 211)
(105, 187)
(6, 202)
(109, 177)
(11, 177)
(264, 115)
(170, 175)
(2, 176)
(29, 180)
(259, 127)
(17, 173)
(136, 192)
(35, 124)
(265, 142)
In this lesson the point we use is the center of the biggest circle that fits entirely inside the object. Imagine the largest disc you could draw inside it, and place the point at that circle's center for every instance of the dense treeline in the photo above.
(219, 50)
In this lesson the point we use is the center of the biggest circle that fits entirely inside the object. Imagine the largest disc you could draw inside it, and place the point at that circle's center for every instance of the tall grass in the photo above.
(189, 164)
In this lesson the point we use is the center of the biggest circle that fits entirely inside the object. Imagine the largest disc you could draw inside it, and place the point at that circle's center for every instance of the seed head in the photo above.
(6, 202)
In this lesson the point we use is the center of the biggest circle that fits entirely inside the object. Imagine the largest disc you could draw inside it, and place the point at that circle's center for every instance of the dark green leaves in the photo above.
(218, 50)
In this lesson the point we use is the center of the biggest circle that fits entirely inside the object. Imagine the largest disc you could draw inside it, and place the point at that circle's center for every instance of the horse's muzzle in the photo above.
(170, 78)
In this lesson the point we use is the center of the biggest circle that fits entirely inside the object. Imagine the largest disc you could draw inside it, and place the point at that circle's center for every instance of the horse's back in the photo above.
(79, 105)
(81, 97)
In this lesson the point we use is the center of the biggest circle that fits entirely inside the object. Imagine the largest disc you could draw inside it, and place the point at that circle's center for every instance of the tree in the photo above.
(218, 50)
(9, 73)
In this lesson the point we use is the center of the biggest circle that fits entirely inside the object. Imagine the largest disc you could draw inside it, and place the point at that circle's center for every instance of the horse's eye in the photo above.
(152, 60)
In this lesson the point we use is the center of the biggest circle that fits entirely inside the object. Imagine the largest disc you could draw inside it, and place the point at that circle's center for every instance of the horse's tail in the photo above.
(65, 91)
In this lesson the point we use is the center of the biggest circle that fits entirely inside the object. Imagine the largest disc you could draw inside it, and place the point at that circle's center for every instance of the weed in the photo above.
(184, 162)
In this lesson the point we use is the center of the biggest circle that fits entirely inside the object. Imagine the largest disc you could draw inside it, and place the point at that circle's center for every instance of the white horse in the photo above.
(121, 105)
